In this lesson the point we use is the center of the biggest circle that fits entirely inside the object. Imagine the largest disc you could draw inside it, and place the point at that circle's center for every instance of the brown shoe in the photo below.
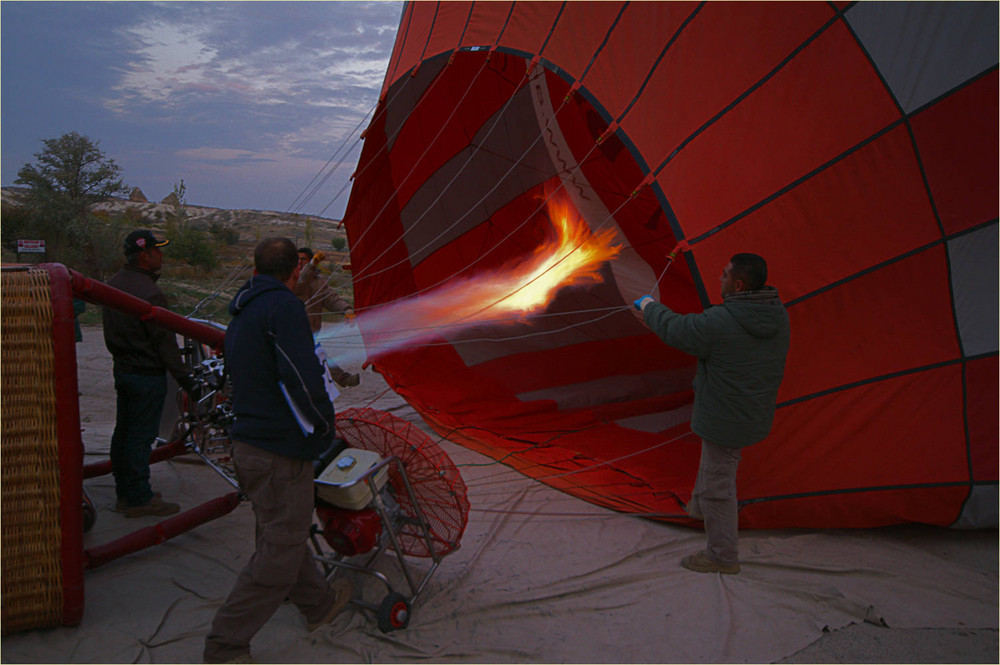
(121, 505)
(342, 590)
(156, 506)
(348, 380)
(700, 563)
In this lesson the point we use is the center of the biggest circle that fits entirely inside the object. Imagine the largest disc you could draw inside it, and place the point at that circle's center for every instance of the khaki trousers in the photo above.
(714, 500)
(281, 492)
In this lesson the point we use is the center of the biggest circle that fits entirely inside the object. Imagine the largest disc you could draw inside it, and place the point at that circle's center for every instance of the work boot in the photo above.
(701, 563)
(156, 506)
(349, 380)
(343, 378)
(121, 505)
(341, 589)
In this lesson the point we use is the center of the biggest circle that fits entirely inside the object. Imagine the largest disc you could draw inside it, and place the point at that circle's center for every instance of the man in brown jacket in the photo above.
(143, 352)
(317, 295)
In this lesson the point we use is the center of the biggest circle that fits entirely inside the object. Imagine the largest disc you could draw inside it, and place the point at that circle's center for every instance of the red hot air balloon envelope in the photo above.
(854, 146)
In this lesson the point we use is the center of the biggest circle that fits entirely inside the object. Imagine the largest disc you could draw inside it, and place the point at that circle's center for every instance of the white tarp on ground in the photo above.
(540, 577)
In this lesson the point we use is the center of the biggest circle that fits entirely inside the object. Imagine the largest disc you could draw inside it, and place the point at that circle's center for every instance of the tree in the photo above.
(187, 243)
(224, 236)
(309, 231)
(73, 173)
(68, 177)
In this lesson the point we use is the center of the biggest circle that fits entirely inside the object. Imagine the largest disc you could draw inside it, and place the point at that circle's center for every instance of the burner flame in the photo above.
(513, 293)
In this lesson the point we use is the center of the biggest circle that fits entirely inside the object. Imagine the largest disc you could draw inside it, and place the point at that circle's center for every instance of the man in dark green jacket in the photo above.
(741, 348)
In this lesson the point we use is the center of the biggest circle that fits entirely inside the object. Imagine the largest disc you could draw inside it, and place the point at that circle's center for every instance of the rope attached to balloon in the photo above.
(681, 246)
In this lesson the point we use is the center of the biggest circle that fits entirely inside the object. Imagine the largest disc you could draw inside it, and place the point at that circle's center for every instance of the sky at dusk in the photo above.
(244, 101)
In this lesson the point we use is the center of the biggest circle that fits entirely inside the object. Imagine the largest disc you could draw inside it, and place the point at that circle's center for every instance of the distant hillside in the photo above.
(249, 223)
(186, 286)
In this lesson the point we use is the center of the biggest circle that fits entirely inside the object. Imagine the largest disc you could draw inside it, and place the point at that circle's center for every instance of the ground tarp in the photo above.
(540, 577)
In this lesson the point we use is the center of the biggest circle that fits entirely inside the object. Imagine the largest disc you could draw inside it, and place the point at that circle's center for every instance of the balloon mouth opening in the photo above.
(489, 159)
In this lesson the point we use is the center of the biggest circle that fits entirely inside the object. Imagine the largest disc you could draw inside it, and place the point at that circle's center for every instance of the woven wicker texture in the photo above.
(29, 456)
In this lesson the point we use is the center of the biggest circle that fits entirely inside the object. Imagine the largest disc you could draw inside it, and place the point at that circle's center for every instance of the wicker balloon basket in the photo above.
(41, 453)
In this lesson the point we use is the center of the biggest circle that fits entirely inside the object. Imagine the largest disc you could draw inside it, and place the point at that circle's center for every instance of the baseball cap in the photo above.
(141, 240)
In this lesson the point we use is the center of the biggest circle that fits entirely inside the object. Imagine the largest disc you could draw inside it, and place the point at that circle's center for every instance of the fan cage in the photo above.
(436, 482)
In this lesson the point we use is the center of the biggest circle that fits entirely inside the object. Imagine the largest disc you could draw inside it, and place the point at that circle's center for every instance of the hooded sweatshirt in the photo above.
(741, 347)
(269, 346)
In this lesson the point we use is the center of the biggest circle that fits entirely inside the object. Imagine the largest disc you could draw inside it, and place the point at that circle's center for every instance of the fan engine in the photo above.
(349, 532)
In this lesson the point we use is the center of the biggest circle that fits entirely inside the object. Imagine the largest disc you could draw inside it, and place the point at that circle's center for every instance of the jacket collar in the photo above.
(148, 273)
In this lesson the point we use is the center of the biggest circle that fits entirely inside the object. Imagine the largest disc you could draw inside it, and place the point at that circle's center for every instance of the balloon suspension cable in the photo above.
(681, 246)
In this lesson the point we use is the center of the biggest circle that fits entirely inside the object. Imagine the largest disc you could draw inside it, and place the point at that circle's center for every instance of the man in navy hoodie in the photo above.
(284, 419)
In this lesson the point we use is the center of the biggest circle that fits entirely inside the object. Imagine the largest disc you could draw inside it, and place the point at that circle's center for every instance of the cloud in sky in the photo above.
(216, 93)
(222, 155)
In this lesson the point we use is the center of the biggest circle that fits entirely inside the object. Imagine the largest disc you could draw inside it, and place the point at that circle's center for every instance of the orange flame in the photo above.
(573, 257)
(515, 291)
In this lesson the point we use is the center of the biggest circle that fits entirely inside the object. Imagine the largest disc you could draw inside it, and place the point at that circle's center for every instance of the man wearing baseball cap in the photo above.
(142, 352)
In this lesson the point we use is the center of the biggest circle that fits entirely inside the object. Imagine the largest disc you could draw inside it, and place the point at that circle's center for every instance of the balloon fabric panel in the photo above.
(726, 50)
(578, 35)
(447, 14)
(426, 142)
(628, 55)
(893, 319)
(486, 28)
(865, 508)
(411, 37)
(984, 394)
(529, 35)
(957, 139)
(794, 123)
(840, 441)
(827, 236)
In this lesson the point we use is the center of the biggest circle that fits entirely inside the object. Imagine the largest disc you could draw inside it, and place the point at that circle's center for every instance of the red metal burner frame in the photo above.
(101, 294)
(66, 284)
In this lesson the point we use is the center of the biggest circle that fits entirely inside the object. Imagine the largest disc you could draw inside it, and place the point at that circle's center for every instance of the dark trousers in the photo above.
(281, 491)
(137, 422)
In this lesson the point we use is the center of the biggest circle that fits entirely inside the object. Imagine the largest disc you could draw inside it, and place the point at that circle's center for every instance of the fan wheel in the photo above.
(393, 613)
(89, 512)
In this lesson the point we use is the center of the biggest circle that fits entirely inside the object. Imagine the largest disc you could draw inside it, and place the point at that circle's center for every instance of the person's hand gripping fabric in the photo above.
(640, 303)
